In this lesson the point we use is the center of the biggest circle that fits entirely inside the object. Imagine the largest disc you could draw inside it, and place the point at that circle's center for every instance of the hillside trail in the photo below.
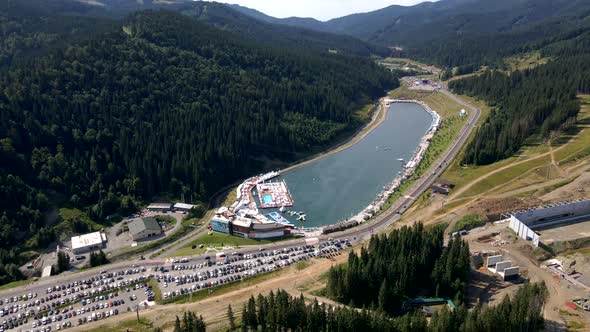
(551, 153)
(455, 195)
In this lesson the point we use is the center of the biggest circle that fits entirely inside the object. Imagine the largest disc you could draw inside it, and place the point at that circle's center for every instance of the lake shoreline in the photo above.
(410, 137)
(377, 118)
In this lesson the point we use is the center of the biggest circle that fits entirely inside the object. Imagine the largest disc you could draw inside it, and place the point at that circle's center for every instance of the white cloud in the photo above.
(319, 9)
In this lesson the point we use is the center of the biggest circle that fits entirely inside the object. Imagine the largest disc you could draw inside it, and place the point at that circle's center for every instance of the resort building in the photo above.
(244, 219)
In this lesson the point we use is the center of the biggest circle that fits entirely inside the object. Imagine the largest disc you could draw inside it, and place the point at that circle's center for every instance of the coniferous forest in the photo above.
(407, 263)
(159, 103)
(539, 100)
(281, 312)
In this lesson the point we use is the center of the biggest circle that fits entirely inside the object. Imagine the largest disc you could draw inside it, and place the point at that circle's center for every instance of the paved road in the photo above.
(355, 235)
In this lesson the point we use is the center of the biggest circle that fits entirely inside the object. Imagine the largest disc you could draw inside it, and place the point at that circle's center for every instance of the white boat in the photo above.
(282, 209)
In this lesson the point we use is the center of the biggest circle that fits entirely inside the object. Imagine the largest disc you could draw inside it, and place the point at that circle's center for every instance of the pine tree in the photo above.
(231, 318)
(384, 297)
(251, 319)
(244, 319)
(177, 327)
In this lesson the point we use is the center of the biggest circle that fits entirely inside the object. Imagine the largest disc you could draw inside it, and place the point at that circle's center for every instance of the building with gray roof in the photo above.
(142, 228)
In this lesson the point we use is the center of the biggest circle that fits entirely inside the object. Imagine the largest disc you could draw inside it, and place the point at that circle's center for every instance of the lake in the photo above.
(341, 185)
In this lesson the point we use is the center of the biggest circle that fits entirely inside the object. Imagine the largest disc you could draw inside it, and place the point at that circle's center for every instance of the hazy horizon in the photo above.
(319, 9)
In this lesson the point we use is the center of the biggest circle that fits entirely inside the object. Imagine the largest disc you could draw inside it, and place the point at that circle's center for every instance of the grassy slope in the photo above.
(525, 61)
(217, 240)
(570, 146)
(144, 325)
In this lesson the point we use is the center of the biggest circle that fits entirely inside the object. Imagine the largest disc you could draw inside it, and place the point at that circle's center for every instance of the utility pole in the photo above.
(137, 311)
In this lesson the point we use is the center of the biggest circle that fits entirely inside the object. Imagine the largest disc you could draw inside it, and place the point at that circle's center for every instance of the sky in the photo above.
(319, 9)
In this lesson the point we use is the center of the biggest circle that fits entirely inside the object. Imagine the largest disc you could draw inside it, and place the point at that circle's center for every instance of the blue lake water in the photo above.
(341, 185)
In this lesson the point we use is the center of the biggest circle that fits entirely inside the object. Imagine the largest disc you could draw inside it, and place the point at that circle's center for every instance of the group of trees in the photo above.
(408, 262)
(281, 312)
(160, 103)
(540, 100)
(63, 263)
(524, 312)
(98, 258)
(190, 322)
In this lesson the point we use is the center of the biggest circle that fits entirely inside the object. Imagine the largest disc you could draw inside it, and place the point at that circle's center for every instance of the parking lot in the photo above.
(108, 293)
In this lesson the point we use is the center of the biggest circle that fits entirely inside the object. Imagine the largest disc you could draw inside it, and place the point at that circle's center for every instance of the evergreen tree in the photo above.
(244, 319)
(251, 317)
(231, 318)
(63, 262)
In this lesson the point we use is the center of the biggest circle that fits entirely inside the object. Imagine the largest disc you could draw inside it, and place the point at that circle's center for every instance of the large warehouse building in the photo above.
(88, 242)
(142, 228)
(526, 222)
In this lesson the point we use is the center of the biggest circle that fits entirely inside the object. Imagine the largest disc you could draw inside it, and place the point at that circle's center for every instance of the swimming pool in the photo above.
(267, 198)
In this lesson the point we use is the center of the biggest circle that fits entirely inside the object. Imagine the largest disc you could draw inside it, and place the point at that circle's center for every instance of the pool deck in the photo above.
(274, 195)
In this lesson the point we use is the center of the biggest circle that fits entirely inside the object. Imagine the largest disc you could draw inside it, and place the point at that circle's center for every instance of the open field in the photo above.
(16, 284)
(525, 61)
(440, 103)
(143, 325)
(403, 62)
(533, 164)
(216, 240)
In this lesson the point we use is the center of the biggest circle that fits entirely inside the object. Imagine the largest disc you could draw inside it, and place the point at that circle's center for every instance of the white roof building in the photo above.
(159, 206)
(88, 242)
(183, 206)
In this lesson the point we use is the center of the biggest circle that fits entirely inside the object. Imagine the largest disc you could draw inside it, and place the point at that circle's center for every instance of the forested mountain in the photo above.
(219, 15)
(25, 34)
(427, 21)
(160, 103)
(463, 35)
(540, 101)
(110, 8)
(456, 32)
(278, 35)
